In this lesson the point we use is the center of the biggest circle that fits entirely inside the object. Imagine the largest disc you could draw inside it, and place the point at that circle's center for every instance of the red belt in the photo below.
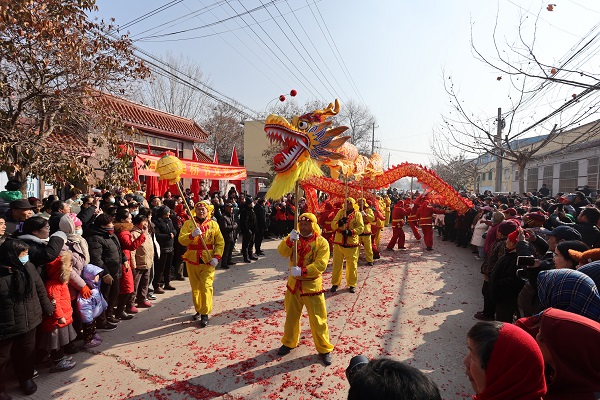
(200, 246)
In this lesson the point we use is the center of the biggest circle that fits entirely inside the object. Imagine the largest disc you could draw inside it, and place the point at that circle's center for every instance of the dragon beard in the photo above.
(284, 182)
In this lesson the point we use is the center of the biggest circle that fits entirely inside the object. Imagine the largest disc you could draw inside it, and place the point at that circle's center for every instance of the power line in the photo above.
(297, 51)
(150, 14)
(339, 60)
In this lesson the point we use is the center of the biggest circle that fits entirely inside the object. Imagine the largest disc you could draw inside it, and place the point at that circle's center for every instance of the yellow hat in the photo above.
(313, 221)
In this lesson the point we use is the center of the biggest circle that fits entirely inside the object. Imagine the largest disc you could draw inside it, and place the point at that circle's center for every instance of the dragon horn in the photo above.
(332, 109)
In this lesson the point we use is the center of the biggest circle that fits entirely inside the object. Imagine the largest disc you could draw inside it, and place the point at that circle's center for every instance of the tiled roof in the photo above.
(151, 120)
(69, 142)
(202, 156)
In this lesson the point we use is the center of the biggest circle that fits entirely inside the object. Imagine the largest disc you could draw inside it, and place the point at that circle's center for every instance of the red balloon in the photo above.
(293, 92)
(282, 98)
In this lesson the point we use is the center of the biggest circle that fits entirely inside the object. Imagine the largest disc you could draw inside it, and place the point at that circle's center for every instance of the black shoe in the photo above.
(370, 263)
(247, 261)
(376, 256)
(283, 350)
(388, 249)
(112, 320)
(260, 253)
(70, 348)
(35, 374)
(429, 249)
(196, 317)
(169, 287)
(224, 266)
(179, 278)
(326, 358)
(124, 316)
(231, 263)
(352, 289)
(107, 327)
(28, 387)
(333, 289)
(203, 321)
(151, 297)
(253, 258)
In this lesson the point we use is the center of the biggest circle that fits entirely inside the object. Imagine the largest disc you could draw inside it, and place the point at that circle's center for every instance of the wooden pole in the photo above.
(187, 206)
(296, 215)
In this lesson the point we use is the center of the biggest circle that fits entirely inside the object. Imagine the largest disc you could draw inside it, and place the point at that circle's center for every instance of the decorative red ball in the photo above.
(282, 98)
(293, 92)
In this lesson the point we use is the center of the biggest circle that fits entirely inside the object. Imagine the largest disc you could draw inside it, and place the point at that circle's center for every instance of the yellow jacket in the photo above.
(368, 218)
(196, 253)
(313, 256)
(355, 224)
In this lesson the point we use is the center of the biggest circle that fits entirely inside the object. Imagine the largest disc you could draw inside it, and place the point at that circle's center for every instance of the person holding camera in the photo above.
(528, 300)
(505, 285)
(305, 286)
(348, 225)
(388, 379)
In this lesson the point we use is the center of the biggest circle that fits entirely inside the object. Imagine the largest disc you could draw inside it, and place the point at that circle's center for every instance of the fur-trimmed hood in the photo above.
(123, 226)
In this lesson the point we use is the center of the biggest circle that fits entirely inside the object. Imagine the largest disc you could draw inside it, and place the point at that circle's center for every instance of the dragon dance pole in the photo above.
(187, 206)
(296, 214)
(411, 193)
(362, 195)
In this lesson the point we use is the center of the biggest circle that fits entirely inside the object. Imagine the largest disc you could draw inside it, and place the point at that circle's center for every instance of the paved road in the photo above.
(414, 306)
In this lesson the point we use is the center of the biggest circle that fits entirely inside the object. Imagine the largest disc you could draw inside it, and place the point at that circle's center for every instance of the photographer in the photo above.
(388, 379)
(528, 300)
(505, 285)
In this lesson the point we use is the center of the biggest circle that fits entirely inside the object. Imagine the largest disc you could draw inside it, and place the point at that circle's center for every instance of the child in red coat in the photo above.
(58, 327)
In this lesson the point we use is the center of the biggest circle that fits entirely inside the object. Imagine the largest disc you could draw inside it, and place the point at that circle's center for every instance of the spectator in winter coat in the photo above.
(165, 233)
(105, 252)
(228, 226)
(20, 210)
(585, 225)
(248, 228)
(59, 208)
(142, 259)
(91, 307)
(505, 285)
(43, 248)
(23, 300)
(123, 227)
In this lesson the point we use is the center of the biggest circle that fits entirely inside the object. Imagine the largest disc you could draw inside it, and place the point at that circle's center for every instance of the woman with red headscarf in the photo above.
(504, 362)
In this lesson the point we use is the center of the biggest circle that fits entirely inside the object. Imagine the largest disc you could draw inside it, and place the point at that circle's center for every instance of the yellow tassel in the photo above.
(284, 182)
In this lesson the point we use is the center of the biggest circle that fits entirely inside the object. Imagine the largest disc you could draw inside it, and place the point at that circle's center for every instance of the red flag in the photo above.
(236, 163)
(148, 144)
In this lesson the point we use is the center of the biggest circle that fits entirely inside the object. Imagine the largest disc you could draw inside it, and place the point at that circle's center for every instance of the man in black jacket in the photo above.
(585, 225)
(248, 228)
(228, 227)
(105, 252)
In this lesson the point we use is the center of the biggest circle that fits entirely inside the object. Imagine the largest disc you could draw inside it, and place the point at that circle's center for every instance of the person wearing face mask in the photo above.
(43, 248)
(205, 246)
(23, 301)
(105, 252)
(305, 286)
(108, 200)
(80, 256)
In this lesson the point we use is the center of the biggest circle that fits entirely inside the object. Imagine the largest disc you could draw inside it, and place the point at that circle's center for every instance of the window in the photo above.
(568, 177)
(548, 177)
(516, 175)
(593, 172)
(490, 175)
(532, 179)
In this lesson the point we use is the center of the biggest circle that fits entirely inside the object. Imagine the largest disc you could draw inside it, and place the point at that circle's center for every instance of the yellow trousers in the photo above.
(317, 318)
(351, 256)
(366, 242)
(201, 280)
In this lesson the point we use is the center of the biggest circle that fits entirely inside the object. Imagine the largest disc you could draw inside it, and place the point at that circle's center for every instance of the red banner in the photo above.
(193, 169)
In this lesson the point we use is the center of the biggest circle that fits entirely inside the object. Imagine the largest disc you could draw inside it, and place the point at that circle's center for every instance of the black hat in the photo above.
(21, 204)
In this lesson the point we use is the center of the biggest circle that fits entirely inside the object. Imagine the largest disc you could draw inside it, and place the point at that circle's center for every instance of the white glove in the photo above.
(196, 232)
(411, 206)
(294, 235)
(364, 213)
(296, 271)
(213, 262)
(60, 234)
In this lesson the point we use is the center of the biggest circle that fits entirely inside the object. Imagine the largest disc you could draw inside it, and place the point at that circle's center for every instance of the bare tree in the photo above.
(535, 86)
(224, 125)
(165, 92)
(360, 122)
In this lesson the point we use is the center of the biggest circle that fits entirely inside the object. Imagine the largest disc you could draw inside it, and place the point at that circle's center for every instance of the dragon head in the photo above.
(306, 136)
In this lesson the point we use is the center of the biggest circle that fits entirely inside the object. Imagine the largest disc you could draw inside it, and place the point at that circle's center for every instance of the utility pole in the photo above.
(499, 126)
(373, 140)
(388, 167)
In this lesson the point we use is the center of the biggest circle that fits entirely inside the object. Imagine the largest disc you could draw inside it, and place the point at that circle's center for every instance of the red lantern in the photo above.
(282, 98)
(293, 92)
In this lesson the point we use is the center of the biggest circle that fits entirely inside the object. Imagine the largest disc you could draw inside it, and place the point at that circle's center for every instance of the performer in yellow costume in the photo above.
(365, 237)
(305, 286)
(348, 224)
(200, 260)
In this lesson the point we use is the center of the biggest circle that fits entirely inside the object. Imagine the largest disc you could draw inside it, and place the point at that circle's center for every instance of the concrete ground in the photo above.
(415, 306)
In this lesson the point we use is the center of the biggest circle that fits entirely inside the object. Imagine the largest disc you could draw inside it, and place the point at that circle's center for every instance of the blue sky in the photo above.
(395, 53)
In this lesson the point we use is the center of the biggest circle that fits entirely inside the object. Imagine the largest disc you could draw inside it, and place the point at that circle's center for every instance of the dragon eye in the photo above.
(303, 125)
